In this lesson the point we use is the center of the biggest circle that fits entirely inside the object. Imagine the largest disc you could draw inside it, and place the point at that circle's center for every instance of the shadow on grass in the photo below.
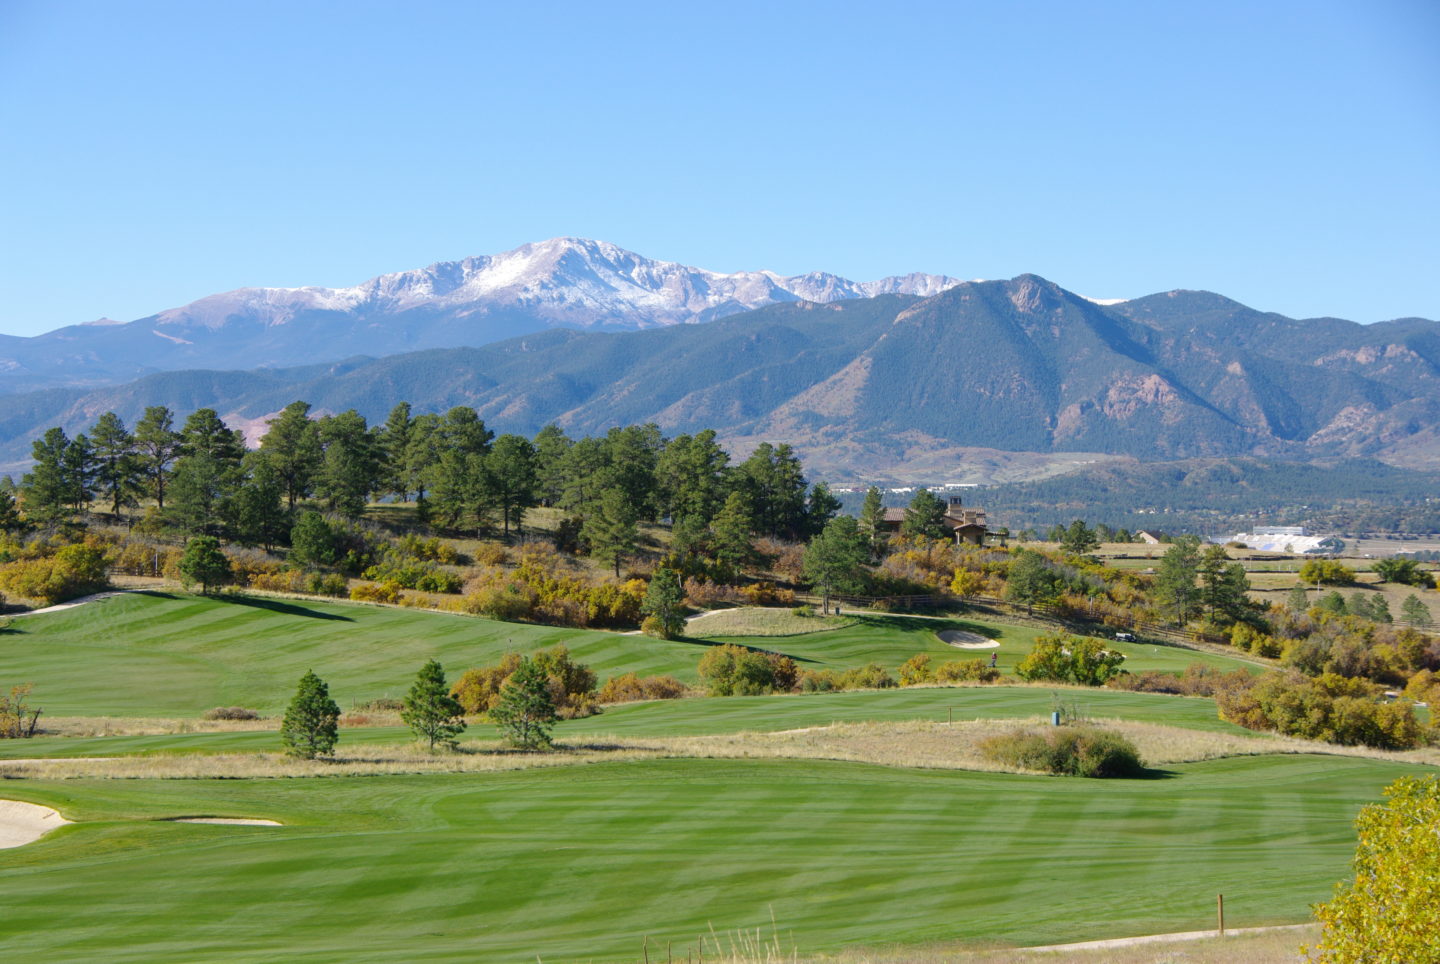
(289, 609)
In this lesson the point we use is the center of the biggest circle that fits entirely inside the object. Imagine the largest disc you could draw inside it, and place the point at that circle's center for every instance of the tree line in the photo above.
(199, 479)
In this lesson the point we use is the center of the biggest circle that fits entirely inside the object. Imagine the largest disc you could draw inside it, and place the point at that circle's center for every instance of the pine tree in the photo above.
(350, 469)
(925, 516)
(665, 603)
(1175, 587)
(1079, 539)
(46, 487)
(1416, 613)
(525, 712)
(203, 562)
(430, 711)
(510, 478)
(872, 520)
(311, 725)
(156, 445)
(292, 449)
(610, 530)
(835, 559)
(117, 471)
(733, 534)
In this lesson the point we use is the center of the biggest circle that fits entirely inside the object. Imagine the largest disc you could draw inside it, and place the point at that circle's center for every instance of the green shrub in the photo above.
(230, 713)
(966, 671)
(1063, 658)
(916, 670)
(731, 670)
(1083, 751)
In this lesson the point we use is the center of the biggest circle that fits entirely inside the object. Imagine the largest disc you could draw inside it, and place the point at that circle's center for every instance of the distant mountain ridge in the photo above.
(566, 282)
(982, 380)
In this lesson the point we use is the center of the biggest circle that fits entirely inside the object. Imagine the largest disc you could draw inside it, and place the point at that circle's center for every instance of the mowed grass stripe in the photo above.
(575, 865)
(161, 654)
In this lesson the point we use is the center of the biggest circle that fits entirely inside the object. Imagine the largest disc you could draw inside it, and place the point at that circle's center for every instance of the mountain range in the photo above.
(974, 382)
(565, 282)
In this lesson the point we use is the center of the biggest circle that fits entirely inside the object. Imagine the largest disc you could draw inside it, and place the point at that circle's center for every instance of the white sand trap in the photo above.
(963, 640)
(22, 823)
(229, 821)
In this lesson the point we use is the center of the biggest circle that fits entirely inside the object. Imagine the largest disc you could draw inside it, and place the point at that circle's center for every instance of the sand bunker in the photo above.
(229, 821)
(963, 640)
(22, 823)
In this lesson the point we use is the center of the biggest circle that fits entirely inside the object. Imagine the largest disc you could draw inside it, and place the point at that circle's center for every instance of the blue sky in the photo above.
(1285, 154)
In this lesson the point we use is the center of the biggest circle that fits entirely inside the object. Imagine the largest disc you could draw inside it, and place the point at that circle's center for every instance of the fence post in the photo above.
(1220, 912)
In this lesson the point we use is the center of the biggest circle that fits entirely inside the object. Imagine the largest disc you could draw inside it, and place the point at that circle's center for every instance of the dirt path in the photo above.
(1160, 939)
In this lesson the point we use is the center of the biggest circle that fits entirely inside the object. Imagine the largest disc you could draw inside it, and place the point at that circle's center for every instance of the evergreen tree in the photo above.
(525, 712)
(510, 475)
(207, 472)
(311, 726)
(819, 509)
(46, 487)
(732, 534)
(631, 455)
(551, 444)
(872, 521)
(156, 446)
(925, 516)
(774, 484)
(258, 516)
(1416, 613)
(1223, 584)
(610, 530)
(394, 439)
(1175, 587)
(1297, 601)
(10, 520)
(690, 477)
(351, 466)
(835, 559)
(430, 711)
(1079, 539)
(203, 562)
(457, 481)
(665, 603)
(1032, 579)
(422, 450)
(312, 541)
(79, 467)
(117, 470)
(292, 449)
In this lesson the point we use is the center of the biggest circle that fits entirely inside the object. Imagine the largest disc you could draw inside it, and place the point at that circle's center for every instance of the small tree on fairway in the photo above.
(203, 562)
(1416, 613)
(526, 710)
(835, 559)
(430, 711)
(311, 725)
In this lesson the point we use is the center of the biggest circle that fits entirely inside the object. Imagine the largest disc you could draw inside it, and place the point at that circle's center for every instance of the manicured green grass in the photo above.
(158, 654)
(705, 716)
(581, 864)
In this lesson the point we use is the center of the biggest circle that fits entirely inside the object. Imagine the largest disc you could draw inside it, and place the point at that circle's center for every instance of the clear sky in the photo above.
(1286, 154)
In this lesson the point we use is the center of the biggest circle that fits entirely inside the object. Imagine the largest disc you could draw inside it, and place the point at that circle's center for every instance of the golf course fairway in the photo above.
(586, 862)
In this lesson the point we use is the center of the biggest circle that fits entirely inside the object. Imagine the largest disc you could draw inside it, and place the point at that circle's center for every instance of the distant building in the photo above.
(1289, 539)
(1280, 531)
(1147, 537)
(968, 524)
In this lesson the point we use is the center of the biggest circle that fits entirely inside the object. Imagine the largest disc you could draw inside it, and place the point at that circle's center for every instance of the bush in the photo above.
(327, 584)
(388, 592)
(1331, 708)
(230, 713)
(966, 671)
(916, 670)
(571, 685)
(732, 670)
(629, 688)
(1197, 680)
(1062, 658)
(73, 571)
(1083, 751)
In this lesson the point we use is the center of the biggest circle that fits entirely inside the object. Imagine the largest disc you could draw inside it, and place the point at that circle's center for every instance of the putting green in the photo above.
(582, 863)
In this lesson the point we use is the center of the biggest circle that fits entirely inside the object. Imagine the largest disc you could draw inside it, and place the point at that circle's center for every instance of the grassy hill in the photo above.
(162, 654)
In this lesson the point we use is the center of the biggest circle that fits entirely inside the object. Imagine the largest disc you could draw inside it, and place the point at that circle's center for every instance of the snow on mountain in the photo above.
(565, 281)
